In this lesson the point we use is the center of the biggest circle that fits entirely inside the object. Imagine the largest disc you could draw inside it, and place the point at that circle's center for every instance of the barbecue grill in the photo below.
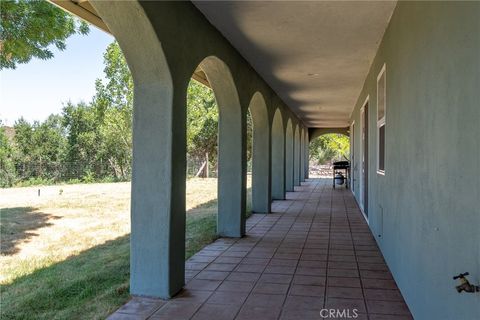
(341, 165)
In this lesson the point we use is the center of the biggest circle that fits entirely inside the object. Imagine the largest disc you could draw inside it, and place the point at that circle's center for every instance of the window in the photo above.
(381, 109)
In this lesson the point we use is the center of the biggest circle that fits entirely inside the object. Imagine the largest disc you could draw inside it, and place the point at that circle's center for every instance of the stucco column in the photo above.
(157, 241)
(289, 156)
(302, 155)
(231, 177)
(261, 166)
(278, 157)
(232, 163)
(307, 155)
(296, 157)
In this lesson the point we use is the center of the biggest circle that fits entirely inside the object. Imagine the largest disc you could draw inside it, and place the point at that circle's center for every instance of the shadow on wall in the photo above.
(19, 224)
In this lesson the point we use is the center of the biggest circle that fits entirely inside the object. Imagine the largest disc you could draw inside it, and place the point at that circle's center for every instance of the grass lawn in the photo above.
(65, 253)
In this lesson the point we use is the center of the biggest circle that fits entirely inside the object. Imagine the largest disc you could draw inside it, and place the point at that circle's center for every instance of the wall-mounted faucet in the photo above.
(465, 285)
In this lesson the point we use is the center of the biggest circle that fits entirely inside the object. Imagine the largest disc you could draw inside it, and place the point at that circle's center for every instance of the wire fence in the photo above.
(43, 172)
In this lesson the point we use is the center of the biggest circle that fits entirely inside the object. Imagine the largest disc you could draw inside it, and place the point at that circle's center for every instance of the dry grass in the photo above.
(74, 239)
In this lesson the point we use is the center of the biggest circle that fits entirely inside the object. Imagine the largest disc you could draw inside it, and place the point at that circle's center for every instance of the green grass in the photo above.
(90, 283)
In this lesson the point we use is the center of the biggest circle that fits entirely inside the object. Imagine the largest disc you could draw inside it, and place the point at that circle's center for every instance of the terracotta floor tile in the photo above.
(192, 296)
(344, 292)
(309, 280)
(306, 290)
(343, 282)
(350, 273)
(243, 276)
(176, 310)
(236, 286)
(383, 294)
(221, 266)
(292, 263)
(212, 275)
(280, 269)
(222, 297)
(283, 262)
(141, 306)
(265, 300)
(311, 271)
(215, 311)
(258, 313)
(373, 274)
(198, 284)
(339, 303)
(303, 314)
(271, 288)
(387, 307)
(256, 268)
(276, 278)
(379, 284)
(303, 302)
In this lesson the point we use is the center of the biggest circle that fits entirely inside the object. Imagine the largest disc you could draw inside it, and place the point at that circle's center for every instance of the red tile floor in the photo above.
(314, 252)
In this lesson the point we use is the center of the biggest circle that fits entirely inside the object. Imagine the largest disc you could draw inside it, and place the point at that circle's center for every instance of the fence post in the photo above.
(207, 173)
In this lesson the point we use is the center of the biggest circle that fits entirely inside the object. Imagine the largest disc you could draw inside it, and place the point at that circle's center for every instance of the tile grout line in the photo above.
(356, 260)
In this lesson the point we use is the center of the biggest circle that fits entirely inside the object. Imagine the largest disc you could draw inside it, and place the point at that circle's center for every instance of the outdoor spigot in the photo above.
(465, 285)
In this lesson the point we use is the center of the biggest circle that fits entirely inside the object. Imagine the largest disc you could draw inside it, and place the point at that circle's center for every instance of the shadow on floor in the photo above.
(18, 224)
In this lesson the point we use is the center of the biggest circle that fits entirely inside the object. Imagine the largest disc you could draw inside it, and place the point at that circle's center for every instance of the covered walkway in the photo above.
(314, 252)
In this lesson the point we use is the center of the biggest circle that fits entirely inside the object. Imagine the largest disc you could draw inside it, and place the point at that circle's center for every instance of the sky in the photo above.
(41, 87)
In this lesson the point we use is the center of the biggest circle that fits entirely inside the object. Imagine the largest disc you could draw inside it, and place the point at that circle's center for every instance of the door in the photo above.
(364, 171)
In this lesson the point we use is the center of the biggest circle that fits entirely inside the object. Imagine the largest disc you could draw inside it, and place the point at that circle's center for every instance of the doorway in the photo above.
(364, 159)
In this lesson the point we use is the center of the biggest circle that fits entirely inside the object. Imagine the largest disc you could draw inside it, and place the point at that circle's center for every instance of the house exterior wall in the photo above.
(425, 212)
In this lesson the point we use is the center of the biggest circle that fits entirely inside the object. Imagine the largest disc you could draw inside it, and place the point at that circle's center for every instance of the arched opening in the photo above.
(296, 152)
(231, 145)
(201, 197)
(260, 154)
(325, 149)
(278, 156)
(289, 156)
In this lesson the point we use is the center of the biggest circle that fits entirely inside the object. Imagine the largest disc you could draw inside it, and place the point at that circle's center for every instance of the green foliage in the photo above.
(93, 141)
(39, 143)
(202, 122)
(7, 168)
(29, 27)
(330, 147)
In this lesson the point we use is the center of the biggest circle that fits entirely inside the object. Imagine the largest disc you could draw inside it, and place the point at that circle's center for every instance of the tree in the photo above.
(7, 167)
(330, 147)
(114, 107)
(29, 27)
(39, 147)
(202, 122)
(83, 142)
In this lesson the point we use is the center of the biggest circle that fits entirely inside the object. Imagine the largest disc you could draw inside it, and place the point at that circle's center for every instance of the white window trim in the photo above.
(381, 122)
(362, 157)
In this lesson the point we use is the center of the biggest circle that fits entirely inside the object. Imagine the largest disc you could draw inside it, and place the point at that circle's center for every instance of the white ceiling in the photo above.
(314, 54)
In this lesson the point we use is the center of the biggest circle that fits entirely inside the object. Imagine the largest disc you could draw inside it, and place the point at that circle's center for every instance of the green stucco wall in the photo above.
(425, 211)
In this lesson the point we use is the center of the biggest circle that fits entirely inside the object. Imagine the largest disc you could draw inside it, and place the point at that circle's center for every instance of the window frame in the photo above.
(381, 122)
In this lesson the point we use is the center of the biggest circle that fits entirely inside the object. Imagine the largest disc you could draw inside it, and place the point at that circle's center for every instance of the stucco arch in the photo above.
(289, 156)
(278, 156)
(317, 132)
(231, 120)
(307, 154)
(157, 211)
(261, 197)
(296, 153)
(302, 154)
